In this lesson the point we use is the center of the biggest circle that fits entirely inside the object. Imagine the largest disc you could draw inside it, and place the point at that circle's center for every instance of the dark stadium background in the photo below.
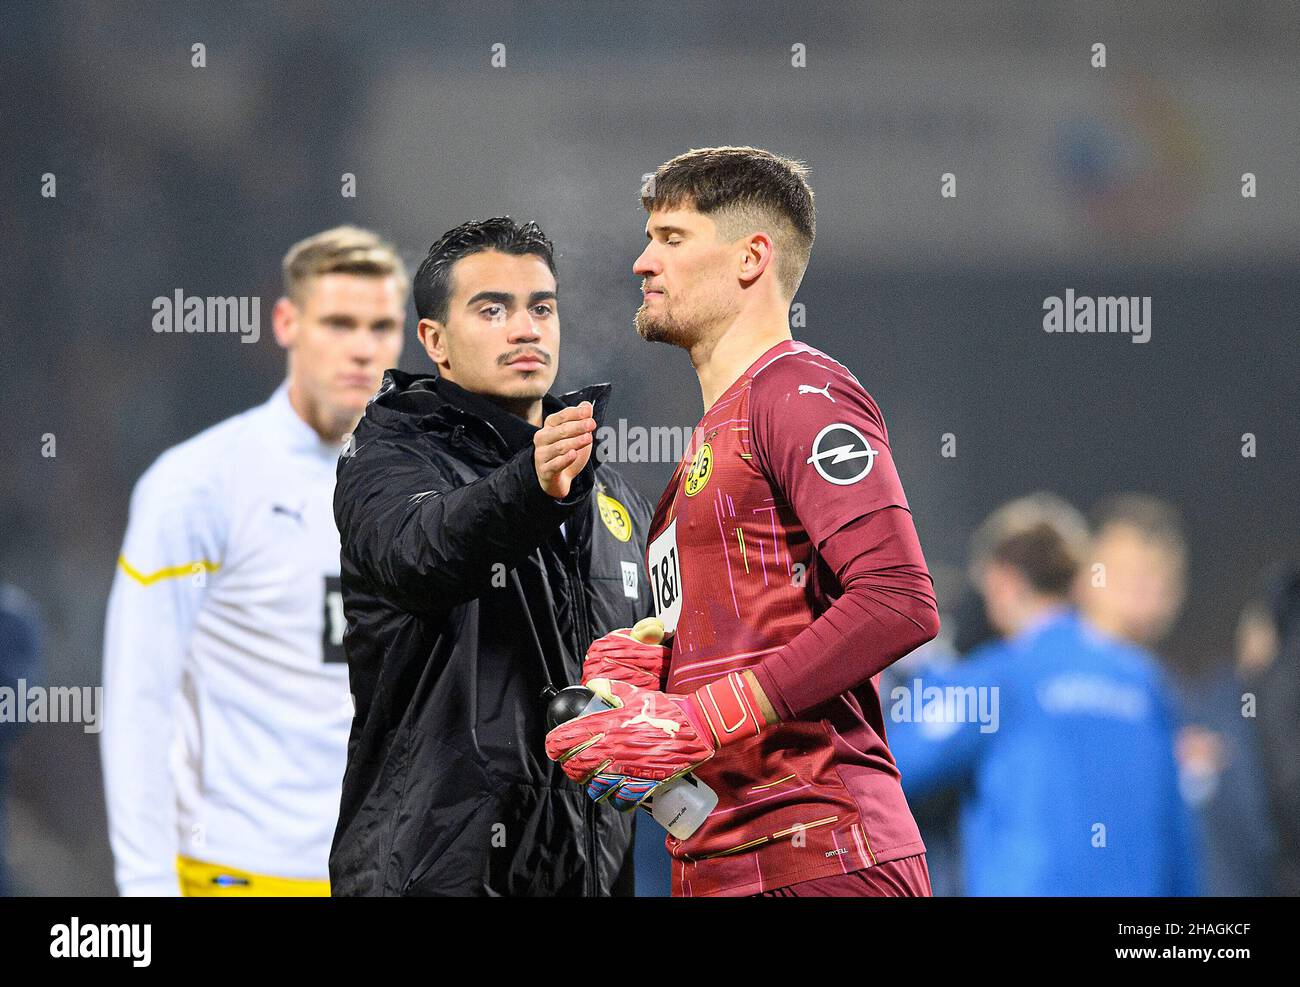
(1123, 181)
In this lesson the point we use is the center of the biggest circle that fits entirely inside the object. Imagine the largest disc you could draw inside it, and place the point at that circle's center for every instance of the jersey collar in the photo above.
(296, 434)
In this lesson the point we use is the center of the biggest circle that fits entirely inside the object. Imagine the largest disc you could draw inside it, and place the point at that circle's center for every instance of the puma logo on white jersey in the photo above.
(809, 389)
(669, 727)
(290, 512)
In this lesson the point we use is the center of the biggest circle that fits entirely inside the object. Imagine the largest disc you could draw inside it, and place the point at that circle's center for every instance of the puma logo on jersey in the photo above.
(669, 727)
(281, 509)
(826, 391)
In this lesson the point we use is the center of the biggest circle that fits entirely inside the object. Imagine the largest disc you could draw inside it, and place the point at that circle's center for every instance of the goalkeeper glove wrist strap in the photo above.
(726, 710)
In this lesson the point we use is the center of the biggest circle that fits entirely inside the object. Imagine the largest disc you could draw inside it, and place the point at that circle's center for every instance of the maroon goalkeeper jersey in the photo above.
(790, 454)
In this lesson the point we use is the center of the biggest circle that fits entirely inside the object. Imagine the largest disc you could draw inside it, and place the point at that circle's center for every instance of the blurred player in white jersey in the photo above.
(226, 687)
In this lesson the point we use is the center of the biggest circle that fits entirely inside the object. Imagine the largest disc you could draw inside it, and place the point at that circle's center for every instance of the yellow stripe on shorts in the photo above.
(200, 879)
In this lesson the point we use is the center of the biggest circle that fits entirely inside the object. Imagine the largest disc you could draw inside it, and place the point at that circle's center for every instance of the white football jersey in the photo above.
(226, 706)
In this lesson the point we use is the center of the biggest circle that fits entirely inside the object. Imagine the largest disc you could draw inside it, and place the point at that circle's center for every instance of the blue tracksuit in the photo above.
(1071, 788)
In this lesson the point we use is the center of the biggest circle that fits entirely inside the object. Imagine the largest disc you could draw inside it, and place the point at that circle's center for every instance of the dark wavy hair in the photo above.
(433, 279)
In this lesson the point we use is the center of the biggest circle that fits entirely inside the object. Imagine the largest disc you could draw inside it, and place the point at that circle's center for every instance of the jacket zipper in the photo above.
(582, 624)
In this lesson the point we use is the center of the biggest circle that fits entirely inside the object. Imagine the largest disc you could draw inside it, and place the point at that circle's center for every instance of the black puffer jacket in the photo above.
(464, 600)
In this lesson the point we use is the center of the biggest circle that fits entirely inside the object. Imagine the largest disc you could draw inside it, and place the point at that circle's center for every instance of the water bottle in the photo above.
(679, 806)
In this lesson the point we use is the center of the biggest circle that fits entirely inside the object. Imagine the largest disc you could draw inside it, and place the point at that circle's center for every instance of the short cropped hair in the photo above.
(341, 250)
(433, 277)
(744, 189)
(1041, 536)
(1153, 519)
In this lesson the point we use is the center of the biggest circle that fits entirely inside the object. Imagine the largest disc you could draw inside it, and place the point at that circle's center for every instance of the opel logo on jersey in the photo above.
(841, 454)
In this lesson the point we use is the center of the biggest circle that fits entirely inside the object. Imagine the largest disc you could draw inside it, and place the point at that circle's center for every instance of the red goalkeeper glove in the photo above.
(650, 737)
(633, 656)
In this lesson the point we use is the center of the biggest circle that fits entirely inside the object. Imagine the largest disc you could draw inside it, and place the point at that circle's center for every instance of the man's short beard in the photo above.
(663, 327)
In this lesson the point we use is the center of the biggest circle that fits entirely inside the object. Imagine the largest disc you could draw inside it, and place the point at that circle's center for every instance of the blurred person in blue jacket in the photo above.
(21, 644)
(1059, 738)
(1140, 559)
(963, 627)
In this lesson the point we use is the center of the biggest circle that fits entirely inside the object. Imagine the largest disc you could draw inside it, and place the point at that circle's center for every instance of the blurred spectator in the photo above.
(1135, 591)
(21, 644)
(1221, 767)
(1268, 656)
(1138, 578)
(1058, 738)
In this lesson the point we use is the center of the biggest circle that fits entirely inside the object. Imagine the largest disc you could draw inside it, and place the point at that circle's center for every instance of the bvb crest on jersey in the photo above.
(701, 469)
(615, 516)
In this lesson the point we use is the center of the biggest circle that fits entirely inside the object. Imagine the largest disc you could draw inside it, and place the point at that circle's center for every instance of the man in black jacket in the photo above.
(484, 549)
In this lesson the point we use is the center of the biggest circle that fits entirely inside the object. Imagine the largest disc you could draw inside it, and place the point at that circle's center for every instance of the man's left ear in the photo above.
(757, 256)
(433, 339)
(284, 321)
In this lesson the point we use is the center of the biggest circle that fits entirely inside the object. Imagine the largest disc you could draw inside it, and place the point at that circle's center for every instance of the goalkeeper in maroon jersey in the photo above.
(783, 560)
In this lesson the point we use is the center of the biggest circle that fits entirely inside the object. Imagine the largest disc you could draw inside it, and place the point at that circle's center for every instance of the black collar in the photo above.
(427, 402)
(516, 432)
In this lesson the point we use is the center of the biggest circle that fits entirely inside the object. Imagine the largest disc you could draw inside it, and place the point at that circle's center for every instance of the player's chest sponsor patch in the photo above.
(666, 577)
